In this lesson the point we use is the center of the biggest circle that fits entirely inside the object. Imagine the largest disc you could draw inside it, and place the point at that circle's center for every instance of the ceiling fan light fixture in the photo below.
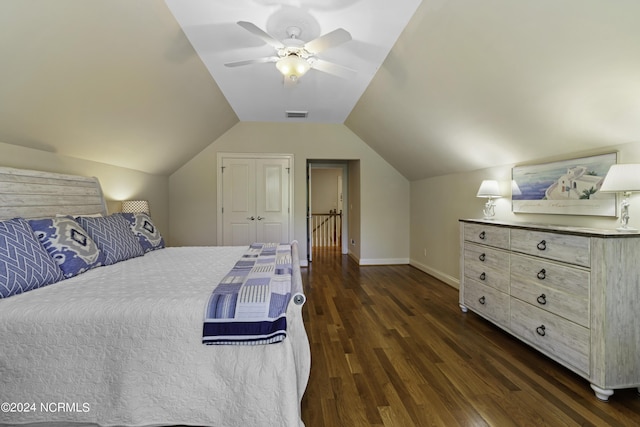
(292, 66)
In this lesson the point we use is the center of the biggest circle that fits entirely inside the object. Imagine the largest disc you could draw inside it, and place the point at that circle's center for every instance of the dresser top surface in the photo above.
(581, 231)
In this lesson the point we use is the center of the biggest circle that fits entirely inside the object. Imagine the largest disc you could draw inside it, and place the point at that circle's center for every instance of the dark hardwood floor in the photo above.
(390, 347)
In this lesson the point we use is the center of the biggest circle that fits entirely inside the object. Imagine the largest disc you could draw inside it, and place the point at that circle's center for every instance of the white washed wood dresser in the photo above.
(571, 293)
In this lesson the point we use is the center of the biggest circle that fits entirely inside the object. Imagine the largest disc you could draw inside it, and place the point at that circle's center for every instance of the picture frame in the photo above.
(566, 187)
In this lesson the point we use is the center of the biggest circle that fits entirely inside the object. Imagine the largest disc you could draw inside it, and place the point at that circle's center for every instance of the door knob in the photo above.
(252, 218)
(260, 218)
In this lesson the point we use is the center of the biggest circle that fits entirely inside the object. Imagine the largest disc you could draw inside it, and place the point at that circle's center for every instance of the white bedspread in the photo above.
(122, 345)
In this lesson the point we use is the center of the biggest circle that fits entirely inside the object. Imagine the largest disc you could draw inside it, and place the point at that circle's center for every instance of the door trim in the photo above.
(219, 159)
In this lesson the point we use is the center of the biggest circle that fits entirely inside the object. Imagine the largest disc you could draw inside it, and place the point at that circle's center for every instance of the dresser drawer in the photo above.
(487, 302)
(559, 289)
(560, 247)
(487, 235)
(565, 341)
(487, 265)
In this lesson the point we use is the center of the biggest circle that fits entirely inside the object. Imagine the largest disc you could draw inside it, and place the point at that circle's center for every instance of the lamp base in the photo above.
(489, 209)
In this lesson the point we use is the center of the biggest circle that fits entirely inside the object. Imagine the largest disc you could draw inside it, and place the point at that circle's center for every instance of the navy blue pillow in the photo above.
(113, 237)
(68, 244)
(24, 264)
(148, 234)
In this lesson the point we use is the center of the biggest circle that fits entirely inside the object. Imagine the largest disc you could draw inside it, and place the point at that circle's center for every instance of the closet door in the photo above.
(255, 197)
(239, 201)
(272, 200)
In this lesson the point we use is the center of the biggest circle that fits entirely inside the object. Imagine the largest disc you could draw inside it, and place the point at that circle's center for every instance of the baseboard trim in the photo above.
(383, 261)
(378, 261)
(449, 280)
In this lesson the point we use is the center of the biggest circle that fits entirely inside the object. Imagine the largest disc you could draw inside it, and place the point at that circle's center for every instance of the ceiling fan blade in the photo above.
(251, 61)
(256, 31)
(331, 68)
(322, 43)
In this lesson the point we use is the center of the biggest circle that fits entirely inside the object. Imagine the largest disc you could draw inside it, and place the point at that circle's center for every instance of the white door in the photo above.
(238, 201)
(272, 200)
(255, 200)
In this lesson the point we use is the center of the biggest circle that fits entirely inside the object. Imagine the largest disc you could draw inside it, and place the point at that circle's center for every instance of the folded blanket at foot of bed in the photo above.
(248, 306)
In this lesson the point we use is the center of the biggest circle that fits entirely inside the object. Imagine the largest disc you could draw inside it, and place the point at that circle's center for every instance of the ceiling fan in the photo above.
(294, 57)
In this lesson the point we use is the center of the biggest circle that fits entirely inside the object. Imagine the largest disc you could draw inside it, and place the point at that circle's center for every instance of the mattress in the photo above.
(122, 345)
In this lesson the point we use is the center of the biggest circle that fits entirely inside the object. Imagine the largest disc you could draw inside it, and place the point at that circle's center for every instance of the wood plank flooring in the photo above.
(390, 347)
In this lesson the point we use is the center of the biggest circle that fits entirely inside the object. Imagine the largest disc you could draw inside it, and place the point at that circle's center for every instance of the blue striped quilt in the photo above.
(248, 306)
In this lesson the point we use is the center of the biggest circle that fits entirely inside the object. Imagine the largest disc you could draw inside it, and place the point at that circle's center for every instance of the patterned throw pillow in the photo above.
(148, 235)
(113, 237)
(24, 264)
(68, 244)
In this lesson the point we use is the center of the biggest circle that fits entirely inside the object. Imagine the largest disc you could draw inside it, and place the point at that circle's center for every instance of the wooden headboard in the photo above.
(35, 194)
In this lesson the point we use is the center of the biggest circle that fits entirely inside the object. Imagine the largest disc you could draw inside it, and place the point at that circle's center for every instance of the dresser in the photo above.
(571, 293)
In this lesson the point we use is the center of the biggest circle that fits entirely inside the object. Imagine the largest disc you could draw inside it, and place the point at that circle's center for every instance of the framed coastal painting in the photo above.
(568, 187)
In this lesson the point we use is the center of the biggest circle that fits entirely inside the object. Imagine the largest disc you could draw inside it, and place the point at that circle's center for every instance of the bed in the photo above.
(122, 344)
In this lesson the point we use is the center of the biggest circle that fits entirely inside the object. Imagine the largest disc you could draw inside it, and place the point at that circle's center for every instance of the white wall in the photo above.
(117, 183)
(437, 204)
(324, 189)
(383, 198)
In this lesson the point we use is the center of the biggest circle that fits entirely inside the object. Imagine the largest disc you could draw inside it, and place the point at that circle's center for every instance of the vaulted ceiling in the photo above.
(351, 38)
(467, 84)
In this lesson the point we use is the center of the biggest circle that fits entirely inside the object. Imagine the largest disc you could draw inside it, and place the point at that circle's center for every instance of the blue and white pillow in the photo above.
(148, 234)
(113, 237)
(24, 264)
(68, 244)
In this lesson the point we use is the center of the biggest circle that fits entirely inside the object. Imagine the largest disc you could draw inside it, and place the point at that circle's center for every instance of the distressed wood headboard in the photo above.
(35, 194)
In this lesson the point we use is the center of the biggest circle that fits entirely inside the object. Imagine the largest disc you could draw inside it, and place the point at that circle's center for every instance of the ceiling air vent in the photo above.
(297, 114)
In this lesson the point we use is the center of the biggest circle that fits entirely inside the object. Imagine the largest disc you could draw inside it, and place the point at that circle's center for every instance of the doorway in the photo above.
(327, 189)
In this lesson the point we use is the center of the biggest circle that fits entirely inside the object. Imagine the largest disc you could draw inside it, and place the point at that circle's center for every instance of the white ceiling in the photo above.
(112, 81)
(256, 92)
(467, 85)
(475, 84)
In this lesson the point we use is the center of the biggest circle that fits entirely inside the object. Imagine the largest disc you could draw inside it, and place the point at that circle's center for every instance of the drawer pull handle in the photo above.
(483, 276)
(482, 300)
(542, 274)
(482, 257)
(482, 235)
(542, 245)
(542, 299)
(540, 330)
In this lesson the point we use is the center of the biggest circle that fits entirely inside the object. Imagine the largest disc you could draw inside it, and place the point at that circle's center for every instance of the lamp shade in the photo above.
(489, 188)
(292, 66)
(135, 206)
(622, 178)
